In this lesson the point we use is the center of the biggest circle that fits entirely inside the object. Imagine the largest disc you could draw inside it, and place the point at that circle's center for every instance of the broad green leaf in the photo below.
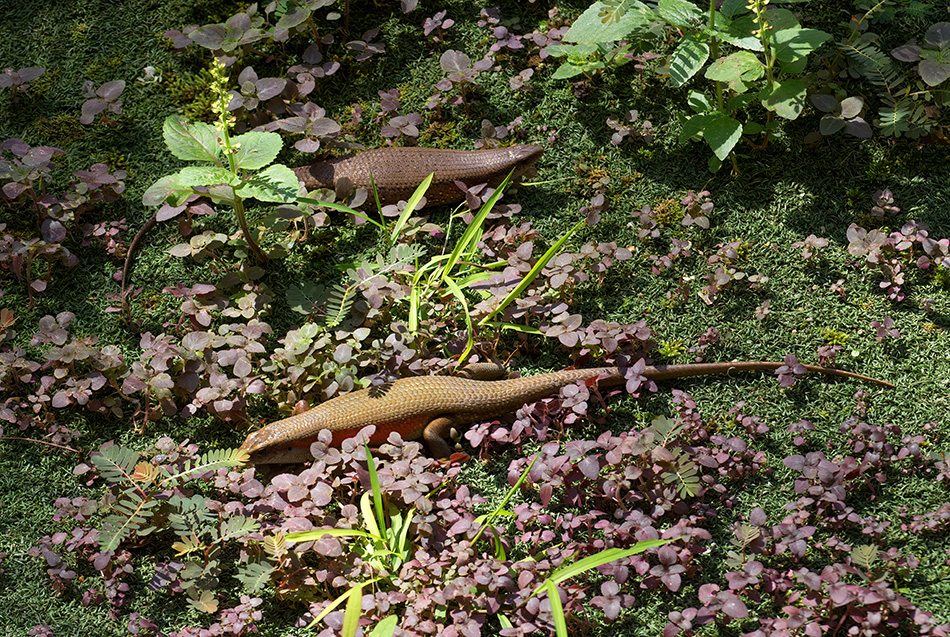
(739, 102)
(787, 99)
(739, 33)
(698, 102)
(165, 188)
(567, 71)
(720, 131)
(276, 183)
(206, 176)
(792, 47)
(679, 13)
(193, 141)
(590, 27)
(781, 19)
(736, 69)
(176, 188)
(687, 59)
(730, 8)
(255, 149)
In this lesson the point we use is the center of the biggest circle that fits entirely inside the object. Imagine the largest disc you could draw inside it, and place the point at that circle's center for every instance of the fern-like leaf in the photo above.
(133, 512)
(864, 556)
(745, 535)
(254, 575)
(339, 301)
(276, 546)
(875, 65)
(211, 461)
(116, 464)
(191, 516)
(237, 526)
(684, 475)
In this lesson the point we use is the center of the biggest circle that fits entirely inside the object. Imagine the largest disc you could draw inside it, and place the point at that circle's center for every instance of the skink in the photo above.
(428, 407)
(398, 171)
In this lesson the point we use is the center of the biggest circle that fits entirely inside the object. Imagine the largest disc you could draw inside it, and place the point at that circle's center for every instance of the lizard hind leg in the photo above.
(435, 434)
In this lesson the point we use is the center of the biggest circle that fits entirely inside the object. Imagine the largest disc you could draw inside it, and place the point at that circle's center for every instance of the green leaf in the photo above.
(736, 69)
(720, 131)
(116, 463)
(787, 99)
(193, 141)
(739, 102)
(567, 71)
(166, 189)
(410, 207)
(533, 273)
(864, 555)
(276, 183)
(730, 8)
(599, 559)
(385, 628)
(254, 575)
(255, 149)
(679, 12)
(351, 616)
(687, 59)
(306, 298)
(792, 47)
(590, 27)
(739, 33)
(698, 102)
(557, 609)
(178, 187)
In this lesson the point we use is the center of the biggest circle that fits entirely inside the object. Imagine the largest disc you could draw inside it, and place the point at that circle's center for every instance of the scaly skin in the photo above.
(428, 407)
(398, 171)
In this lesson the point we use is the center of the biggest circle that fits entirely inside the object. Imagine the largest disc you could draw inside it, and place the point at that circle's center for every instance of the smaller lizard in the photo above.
(428, 407)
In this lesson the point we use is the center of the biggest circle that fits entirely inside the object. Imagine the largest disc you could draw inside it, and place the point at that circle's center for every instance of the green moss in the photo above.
(61, 130)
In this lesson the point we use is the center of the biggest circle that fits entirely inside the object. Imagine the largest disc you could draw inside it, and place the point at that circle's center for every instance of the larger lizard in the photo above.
(428, 407)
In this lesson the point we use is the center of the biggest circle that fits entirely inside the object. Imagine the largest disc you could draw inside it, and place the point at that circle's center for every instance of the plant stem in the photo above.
(714, 53)
(238, 205)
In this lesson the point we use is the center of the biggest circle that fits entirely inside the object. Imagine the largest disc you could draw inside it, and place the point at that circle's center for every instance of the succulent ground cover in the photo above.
(788, 505)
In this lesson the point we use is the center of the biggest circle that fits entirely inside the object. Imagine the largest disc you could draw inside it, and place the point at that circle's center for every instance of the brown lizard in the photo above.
(398, 171)
(428, 407)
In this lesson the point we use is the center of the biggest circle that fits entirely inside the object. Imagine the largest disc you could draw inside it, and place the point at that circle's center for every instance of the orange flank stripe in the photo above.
(410, 429)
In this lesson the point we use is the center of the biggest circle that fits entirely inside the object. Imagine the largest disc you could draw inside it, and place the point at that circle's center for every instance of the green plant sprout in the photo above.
(233, 169)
